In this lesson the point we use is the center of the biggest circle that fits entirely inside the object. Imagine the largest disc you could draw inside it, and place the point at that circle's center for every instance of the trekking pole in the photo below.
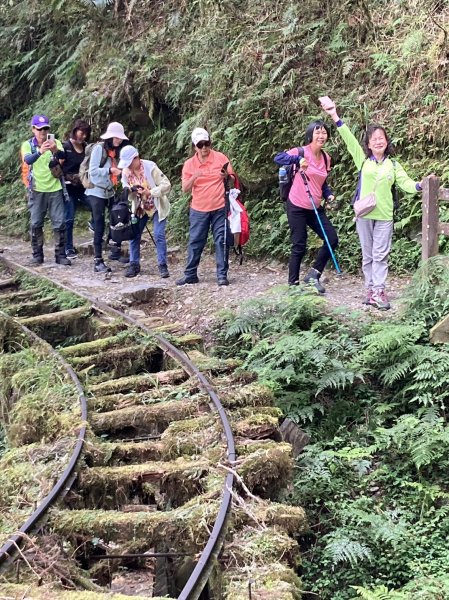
(326, 239)
(150, 234)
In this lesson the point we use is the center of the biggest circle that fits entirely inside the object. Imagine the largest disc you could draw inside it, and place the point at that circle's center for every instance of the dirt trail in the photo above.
(195, 306)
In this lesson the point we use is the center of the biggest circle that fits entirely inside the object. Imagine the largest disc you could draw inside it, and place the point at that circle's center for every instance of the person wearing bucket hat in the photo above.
(103, 176)
(203, 175)
(41, 173)
(148, 194)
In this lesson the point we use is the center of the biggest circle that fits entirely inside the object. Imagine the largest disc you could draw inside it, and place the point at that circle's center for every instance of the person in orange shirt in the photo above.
(204, 175)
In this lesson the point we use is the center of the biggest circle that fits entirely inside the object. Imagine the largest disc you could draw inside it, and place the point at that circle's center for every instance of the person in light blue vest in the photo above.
(104, 175)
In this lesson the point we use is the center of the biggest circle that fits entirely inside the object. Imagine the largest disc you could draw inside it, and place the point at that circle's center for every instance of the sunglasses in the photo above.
(42, 128)
(203, 144)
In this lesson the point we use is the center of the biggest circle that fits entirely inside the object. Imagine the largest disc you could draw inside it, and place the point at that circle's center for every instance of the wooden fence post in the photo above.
(430, 216)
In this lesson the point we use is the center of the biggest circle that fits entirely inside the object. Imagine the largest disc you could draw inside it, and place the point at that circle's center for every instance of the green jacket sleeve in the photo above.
(403, 180)
(353, 146)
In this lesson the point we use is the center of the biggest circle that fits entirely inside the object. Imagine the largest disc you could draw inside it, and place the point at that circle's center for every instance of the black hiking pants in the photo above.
(299, 219)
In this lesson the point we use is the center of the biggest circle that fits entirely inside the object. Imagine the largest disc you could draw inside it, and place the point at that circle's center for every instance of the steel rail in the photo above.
(197, 580)
(10, 547)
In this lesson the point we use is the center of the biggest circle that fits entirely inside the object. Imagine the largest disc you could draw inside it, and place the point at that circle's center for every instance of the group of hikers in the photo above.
(60, 176)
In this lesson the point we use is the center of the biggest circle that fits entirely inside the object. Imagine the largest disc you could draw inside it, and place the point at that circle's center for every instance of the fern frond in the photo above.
(346, 550)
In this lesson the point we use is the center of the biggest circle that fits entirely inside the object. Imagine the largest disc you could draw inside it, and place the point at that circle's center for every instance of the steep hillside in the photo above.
(250, 72)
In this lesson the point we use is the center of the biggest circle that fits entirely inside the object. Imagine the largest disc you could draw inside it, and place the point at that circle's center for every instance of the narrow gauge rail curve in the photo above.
(187, 480)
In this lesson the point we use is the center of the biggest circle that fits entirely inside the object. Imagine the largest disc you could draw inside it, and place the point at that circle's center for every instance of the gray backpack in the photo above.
(84, 166)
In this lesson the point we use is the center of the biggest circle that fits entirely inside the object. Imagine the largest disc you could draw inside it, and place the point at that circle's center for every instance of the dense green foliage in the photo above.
(373, 397)
(250, 72)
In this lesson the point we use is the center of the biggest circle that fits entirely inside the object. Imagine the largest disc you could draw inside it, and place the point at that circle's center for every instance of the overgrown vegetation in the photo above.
(373, 398)
(250, 72)
(40, 414)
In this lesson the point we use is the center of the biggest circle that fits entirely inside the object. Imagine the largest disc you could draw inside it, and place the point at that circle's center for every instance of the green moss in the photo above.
(45, 592)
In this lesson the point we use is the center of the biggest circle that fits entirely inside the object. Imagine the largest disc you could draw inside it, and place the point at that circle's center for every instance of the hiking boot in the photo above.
(60, 255)
(291, 283)
(37, 246)
(184, 280)
(99, 266)
(163, 271)
(379, 300)
(369, 297)
(132, 270)
(71, 253)
(223, 281)
(313, 276)
(63, 260)
(36, 261)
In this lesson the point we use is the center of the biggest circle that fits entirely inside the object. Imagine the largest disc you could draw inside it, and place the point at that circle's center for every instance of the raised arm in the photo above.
(352, 144)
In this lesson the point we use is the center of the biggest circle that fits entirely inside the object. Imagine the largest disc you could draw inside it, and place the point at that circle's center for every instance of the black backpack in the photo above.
(121, 219)
(286, 184)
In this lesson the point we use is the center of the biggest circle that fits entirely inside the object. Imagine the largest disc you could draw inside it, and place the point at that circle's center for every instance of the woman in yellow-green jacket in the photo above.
(378, 172)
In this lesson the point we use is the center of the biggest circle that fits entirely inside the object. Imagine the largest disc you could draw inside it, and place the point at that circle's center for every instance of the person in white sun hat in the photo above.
(104, 174)
(148, 194)
(204, 175)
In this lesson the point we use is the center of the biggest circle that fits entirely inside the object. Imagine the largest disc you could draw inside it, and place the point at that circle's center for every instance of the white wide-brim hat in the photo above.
(114, 130)
(127, 155)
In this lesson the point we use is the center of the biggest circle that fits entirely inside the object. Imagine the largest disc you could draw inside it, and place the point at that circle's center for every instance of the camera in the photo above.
(136, 189)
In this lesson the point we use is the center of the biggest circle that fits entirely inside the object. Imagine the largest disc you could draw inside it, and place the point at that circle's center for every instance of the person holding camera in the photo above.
(42, 156)
(378, 172)
(204, 175)
(148, 188)
(104, 176)
(74, 149)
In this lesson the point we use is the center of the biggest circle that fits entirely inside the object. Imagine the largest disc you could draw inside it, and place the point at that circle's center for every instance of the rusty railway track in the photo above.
(166, 439)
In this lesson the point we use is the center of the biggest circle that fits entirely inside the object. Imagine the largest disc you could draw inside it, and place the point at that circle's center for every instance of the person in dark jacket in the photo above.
(74, 149)
(315, 163)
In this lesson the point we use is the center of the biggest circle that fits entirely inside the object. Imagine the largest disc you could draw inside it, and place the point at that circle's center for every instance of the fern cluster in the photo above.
(373, 399)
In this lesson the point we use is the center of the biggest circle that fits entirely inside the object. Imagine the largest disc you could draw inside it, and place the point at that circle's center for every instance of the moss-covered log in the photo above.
(19, 295)
(32, 308)
(268, 582)
(251, 547)
(123, 453)
(153, 396)
(123, 360)
(138, 383)
(215, 365)
(257, 426)
(252, 394)
(57, 318)
(290, 519)
(96, 346)
(113, 487)
(7, 283)
(154, 418)
(188, 340)
(192, 435)
(187, 528)
(267, 471)
(10, 591)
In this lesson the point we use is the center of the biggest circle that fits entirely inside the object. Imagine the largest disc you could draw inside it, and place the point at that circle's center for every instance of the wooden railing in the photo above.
(432, 195)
